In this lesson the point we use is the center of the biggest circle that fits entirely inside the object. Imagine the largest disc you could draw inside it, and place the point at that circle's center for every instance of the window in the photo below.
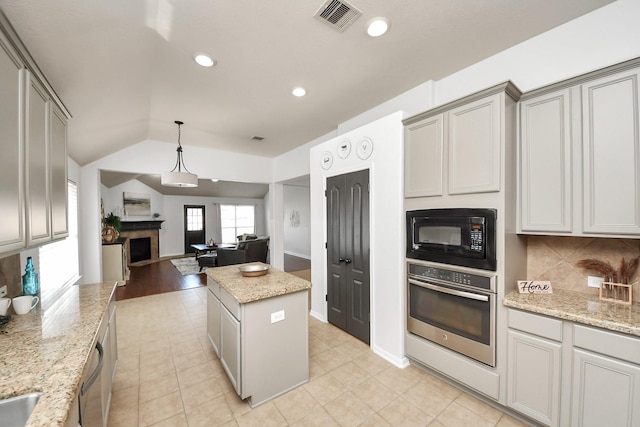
(195, 221)
(59, 264)
(236, 220)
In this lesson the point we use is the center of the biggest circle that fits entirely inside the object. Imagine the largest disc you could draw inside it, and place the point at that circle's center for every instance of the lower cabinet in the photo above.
(230, 347)
(263, 345)
(601, 382)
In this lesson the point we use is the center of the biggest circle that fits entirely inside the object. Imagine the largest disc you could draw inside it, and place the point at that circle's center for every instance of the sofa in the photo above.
(246, 251)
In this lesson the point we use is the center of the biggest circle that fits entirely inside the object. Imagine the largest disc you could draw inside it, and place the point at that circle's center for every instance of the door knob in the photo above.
(340, 259)
(347, 261)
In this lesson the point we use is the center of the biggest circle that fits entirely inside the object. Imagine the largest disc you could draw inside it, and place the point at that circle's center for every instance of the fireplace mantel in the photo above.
(141, 225)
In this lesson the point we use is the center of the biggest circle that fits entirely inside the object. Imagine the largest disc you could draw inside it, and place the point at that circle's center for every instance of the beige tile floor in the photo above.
(168, 375)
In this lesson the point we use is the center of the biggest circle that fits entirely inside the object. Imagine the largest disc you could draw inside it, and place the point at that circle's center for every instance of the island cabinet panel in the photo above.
(230, 347)
(213, 319)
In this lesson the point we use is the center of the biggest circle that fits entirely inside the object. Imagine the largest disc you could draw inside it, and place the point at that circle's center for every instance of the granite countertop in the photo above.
(248, 289)
(46, 351)
(580, 308)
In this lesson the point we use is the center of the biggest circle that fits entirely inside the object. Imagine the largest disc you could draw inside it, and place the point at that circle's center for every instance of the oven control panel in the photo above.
(473, 280)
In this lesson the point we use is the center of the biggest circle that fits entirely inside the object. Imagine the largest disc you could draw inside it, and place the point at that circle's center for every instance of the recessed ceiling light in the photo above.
(377, 27)
(204, 60)
(299, 91)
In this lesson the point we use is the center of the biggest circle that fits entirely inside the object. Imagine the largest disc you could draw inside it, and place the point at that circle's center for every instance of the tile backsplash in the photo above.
(10, 275)
(554, 258)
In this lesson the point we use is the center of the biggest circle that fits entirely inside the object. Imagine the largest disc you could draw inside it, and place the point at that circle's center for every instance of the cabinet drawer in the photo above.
(535, 324)
(214, 287)
(623, 347)
(230, 302)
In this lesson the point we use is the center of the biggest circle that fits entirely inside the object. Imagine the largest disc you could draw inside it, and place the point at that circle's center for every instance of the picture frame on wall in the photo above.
(136, 204)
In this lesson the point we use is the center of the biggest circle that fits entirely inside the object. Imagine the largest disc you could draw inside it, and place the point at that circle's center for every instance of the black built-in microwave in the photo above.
(464, 236)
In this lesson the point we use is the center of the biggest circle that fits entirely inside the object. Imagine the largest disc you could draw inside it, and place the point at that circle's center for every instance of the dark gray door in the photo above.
(348, 290)
(194, 227)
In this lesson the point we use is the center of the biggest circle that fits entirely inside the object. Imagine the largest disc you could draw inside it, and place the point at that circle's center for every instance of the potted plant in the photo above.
(111, 228)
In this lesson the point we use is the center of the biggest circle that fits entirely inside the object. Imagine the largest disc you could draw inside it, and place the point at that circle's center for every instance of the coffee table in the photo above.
(205, 249)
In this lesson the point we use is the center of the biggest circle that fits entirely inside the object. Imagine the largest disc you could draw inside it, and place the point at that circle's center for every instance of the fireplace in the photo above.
(140, 249)
(139, 233)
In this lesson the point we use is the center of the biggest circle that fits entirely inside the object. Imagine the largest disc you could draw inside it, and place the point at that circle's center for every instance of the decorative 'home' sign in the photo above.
(534, 287)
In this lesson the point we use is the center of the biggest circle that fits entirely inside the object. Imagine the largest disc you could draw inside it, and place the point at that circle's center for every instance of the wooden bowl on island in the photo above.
(253, 270)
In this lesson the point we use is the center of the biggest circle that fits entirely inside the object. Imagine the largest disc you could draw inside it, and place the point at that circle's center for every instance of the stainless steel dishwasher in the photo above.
(90, 400)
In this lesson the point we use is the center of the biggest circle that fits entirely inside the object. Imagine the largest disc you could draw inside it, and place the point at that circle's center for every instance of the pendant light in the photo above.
(179, 176)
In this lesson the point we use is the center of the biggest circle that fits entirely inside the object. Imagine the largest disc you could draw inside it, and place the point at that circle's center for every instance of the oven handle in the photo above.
(457, 293)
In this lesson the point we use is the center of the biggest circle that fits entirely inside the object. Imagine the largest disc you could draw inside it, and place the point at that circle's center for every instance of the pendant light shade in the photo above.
(179, 176)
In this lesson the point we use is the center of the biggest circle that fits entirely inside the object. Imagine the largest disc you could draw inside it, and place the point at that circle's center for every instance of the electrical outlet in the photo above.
(594, 282)
(277, 316)
(3, 291)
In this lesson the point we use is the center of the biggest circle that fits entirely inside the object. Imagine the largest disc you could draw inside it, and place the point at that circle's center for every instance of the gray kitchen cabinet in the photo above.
(534, 366)
(58, 173)
(423, 157)
(457, 148)
(545, 162)
(579, 163)
(262, 344)
(37, 164)
(230, 347)
(610, 141)
(606, 384)
(12, 227)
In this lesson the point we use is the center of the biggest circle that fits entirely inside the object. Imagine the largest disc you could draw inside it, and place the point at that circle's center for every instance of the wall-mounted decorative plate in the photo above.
(326, 161)
(364, 148)
(344, 148)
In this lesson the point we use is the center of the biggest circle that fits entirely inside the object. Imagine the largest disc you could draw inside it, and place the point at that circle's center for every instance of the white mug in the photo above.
(5, 303)
(24, 304)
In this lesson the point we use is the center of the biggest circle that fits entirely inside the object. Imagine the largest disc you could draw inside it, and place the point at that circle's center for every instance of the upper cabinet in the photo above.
(33, 134)
(12, 226)
(579, 156)
(456, 148)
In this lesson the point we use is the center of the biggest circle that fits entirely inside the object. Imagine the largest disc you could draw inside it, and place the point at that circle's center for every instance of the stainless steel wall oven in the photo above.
(454, 308)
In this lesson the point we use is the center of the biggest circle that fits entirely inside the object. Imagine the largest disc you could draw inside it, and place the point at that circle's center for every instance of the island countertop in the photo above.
(248, 289)
(46, 351)
(580, 308)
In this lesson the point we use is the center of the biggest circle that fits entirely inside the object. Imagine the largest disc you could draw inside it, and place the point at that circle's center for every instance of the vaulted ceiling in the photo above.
(125, 69)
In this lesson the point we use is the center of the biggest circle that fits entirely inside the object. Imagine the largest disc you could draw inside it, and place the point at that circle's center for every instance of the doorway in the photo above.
(194, 227)
(348, 285)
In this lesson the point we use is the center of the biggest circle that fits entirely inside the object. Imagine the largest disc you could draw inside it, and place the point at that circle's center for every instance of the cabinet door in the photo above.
(611, 154)
(12, 226)
(230, 347)
(113, 342)
(423, 157)
(58, 159)
(37, 164)
(534, 377)
(545, 163)
(213, 321)
(474, 138)
(606, 391)
(105, 373)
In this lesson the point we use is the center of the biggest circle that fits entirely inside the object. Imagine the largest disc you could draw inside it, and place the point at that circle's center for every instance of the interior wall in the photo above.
(297, 221)
(386, 228)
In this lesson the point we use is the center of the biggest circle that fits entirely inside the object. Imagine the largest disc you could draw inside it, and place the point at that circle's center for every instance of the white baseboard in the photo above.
(298, 255)
(400, 362)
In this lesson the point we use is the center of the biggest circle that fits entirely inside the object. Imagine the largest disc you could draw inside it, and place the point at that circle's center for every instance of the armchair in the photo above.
(246, 251)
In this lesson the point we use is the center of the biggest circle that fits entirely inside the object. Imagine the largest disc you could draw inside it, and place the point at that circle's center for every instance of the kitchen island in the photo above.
(258, 326)
(46, 351)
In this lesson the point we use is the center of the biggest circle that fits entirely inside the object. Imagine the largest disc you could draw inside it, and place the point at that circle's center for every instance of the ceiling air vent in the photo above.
(338, 14)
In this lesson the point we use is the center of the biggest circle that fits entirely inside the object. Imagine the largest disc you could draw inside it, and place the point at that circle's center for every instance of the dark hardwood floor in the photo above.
(157, 278)
(160, 277)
